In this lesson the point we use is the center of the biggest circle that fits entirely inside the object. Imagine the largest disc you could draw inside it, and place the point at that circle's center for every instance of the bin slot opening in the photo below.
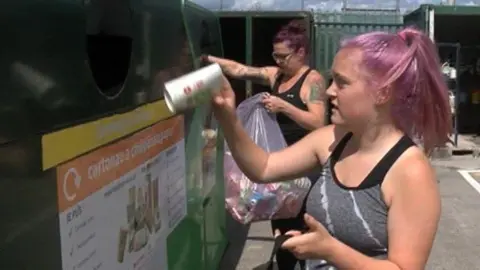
(109, 44)
(109, 60)
(264, 30)
(234, 48)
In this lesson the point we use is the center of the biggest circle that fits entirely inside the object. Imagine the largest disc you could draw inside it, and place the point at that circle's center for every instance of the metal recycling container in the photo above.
(95, 172)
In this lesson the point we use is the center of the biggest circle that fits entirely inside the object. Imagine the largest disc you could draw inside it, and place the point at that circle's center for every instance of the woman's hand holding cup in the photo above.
(224, 100)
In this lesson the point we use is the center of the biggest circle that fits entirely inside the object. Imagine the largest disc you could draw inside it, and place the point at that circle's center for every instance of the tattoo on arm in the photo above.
(243, 72)
(317, 92)
(257, 75)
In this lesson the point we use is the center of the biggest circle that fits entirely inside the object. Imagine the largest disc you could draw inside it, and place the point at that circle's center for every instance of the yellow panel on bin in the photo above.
(63, 145)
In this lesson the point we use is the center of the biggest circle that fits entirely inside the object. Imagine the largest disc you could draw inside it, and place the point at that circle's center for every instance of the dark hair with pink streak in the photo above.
(407, 63)
(295, 33)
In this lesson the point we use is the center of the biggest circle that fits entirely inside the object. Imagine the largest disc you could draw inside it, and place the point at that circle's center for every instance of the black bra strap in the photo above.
(276, 83)
(340, 146)
(378, 173)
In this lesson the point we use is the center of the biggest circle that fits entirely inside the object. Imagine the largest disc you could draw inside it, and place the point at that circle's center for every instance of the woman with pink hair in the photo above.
(376, 204)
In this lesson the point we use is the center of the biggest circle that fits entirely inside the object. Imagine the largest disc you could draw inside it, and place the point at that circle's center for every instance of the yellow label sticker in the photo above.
(63, 145)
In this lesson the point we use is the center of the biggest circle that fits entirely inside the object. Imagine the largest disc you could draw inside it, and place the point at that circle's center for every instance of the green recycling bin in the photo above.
(95, 172)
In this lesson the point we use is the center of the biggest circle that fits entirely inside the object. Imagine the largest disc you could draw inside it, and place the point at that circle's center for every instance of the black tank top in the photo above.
(290, 129)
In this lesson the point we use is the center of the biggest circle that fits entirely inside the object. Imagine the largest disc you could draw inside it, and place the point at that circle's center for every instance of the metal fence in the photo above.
(359, 17)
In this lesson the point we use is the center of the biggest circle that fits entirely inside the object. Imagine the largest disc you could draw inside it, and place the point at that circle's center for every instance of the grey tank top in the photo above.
(355, 216)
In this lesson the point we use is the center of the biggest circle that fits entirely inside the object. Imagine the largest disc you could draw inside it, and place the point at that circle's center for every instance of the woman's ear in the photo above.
(301, 52)
(383, 95)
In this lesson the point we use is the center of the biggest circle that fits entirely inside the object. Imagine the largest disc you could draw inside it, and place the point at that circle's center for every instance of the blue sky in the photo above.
(316, 4)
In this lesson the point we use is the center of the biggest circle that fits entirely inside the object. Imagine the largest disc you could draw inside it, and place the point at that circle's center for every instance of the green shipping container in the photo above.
(332, 28)
(442, 23)
(95, 172)
(247, 38)
(454, 29)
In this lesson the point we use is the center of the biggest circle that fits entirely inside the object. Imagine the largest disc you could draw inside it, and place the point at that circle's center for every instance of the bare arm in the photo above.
(313, 94)
(414, 212)
(262, 167)
(260, 75)
(412, 220)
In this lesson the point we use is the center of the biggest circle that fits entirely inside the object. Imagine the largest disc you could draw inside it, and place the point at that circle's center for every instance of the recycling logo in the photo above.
(73, 177)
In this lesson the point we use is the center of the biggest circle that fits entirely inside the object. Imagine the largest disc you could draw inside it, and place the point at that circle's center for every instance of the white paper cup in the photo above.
(193, 89)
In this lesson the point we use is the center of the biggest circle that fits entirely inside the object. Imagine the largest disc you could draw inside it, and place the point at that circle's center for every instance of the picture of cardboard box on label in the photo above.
(143, 216)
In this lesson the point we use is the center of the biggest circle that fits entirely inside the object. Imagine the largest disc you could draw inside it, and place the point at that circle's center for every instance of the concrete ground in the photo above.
(457, 244)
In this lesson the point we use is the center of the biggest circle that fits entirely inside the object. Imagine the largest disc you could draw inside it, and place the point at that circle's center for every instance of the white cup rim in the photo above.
(169, 102)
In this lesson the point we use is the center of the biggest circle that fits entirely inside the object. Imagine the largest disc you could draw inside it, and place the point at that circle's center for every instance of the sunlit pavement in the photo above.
(457, 245)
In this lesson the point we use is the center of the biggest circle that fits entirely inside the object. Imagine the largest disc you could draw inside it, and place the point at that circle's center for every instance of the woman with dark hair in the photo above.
(376, 204)
(297, 97)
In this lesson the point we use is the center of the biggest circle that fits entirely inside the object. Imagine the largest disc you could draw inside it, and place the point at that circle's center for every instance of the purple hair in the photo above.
(295, 33)
(407, 63)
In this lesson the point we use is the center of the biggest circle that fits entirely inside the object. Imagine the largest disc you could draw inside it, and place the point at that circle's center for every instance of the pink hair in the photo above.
(295, 33)
(407, 63)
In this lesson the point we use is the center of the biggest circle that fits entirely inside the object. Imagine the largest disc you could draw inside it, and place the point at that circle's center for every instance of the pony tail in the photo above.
(407, 65)
(432, 122)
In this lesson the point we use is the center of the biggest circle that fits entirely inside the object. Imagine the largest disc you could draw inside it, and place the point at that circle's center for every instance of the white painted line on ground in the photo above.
(469, 179)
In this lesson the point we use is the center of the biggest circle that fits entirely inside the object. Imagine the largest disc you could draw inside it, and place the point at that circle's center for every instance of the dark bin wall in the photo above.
(85, 69)
(46, 84)
(234, 48)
